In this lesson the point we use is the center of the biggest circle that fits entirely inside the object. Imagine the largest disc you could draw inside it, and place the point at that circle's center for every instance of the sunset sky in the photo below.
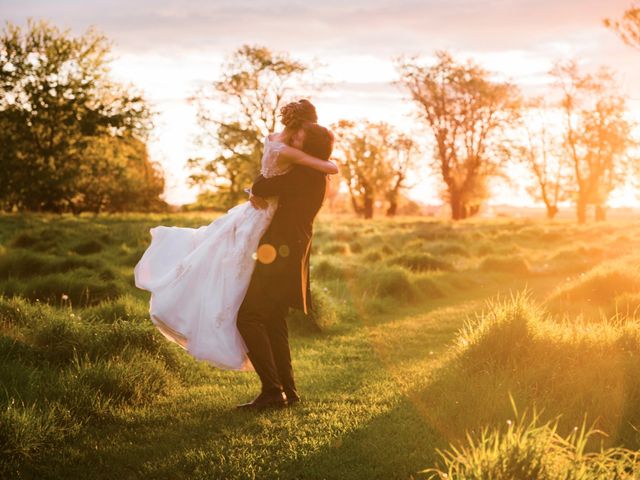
(167, 48)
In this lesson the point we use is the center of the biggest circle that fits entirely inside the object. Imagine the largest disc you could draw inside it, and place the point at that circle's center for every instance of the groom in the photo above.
(281, 277)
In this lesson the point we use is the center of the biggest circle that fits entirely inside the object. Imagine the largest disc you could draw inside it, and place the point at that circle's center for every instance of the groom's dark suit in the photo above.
(281, 282)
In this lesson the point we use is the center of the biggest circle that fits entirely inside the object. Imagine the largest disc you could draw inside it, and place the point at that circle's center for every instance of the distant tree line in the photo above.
(577, 147)
(71, 139)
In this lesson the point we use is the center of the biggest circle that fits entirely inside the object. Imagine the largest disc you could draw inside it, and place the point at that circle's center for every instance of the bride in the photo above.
(198, 277)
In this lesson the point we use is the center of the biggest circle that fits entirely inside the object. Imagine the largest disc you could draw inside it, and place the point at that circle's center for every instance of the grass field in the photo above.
(516, 332)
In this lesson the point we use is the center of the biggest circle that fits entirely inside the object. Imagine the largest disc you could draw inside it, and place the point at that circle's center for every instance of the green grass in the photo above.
(408, 349)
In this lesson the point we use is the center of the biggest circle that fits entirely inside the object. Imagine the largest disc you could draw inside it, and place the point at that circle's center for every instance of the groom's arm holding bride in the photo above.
(294, 182)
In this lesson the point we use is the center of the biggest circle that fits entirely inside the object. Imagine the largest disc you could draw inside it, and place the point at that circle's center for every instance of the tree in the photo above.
(628, 27)
(540, 150)
(466, 113)
(597, 134)
(375, 159)
(56, 98)
(402, 154)
(117, 175)
(254, 86)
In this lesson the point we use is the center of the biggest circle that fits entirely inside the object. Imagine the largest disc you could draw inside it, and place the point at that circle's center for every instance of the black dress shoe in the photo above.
(266, 400)
(292, 398)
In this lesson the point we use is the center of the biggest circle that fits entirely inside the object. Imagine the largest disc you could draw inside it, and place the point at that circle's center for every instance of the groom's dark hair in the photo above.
(318, 141)
(294, 114)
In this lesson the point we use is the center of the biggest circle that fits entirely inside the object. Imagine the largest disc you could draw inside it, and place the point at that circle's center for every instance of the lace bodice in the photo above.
(270, 166)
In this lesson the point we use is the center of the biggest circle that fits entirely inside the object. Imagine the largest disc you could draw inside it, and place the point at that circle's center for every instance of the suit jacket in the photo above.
(301, 192)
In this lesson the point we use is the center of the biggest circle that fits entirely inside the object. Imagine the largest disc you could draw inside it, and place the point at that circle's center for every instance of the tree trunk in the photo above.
(581, 210)
(552, 211)
(368, 207)
(601, 213)
(393, 208)
(457, 208)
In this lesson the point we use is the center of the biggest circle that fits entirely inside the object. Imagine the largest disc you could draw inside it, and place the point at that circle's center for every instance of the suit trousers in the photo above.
(262, 324)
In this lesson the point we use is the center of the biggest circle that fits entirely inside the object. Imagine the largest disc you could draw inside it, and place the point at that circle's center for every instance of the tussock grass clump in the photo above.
(514, 264)
(601, 285)
(87, 247)
(125, 307)
(136, 380)
(323, 314)
(342, 234)
(420, 262)
(355, 247)
(528, 448)
(573, 369)
(373, 256)
(26, 430)
(569, 260)
(334, 248)
(448, 248)
(327, 269)
(18, 311)
(387, 282)
(83, 287)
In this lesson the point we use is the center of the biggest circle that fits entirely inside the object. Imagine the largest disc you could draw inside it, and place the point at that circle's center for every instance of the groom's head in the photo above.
(318, 141)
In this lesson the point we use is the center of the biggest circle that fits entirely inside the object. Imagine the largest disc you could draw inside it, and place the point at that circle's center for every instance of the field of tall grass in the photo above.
(485, 349)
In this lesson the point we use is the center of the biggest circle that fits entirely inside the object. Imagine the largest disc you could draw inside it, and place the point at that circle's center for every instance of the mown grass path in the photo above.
(361, 416)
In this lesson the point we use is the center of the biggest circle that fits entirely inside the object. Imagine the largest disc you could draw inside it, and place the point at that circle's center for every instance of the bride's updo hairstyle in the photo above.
(293, 115)
(318, 141)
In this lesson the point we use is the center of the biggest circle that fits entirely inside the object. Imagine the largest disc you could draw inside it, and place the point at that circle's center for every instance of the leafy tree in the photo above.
(467, 114)
(375, 159)
(56, 98)
(254, 86)
(597, 134)
(117, 175)
(540, 150)
(628, 27)
(403, 153)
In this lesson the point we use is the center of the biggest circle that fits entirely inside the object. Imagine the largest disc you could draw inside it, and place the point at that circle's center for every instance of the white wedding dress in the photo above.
(198, 277)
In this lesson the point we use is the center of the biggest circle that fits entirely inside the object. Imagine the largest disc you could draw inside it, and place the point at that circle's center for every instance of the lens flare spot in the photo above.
(283, 250)
(266, 253)
(254, 255)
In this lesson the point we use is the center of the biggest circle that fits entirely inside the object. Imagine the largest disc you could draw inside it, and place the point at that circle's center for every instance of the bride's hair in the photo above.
(295, 114)
(318, 140)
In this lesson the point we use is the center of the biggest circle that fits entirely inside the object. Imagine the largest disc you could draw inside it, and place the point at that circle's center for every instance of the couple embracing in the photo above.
(222, 291)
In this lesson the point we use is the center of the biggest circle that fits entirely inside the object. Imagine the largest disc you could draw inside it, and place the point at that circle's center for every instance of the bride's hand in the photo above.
(258, 202)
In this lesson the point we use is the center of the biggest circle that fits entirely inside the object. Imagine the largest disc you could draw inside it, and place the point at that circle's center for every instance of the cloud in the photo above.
(384, 26)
